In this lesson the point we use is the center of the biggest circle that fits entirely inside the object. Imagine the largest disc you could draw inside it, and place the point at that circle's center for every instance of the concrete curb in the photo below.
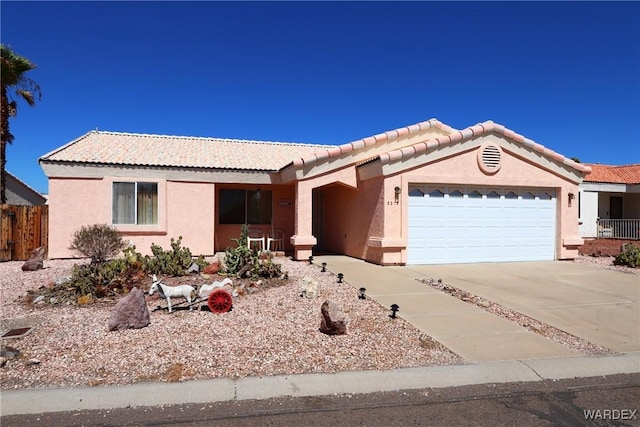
(35, 401)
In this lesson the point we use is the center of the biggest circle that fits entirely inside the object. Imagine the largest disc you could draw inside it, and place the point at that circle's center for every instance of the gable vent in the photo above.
(489, 158)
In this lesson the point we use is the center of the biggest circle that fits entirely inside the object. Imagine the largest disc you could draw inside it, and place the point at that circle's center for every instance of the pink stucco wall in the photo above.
(184, 209)
(352, 215)
(72, 204)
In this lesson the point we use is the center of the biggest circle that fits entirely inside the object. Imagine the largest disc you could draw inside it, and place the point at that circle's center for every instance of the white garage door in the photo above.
(458, 225)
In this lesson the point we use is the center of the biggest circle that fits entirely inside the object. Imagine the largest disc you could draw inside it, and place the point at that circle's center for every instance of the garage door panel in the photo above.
(454, 229)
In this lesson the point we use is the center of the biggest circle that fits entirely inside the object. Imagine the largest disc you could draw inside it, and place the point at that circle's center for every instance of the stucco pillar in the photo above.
(303, 240)
(567, 233)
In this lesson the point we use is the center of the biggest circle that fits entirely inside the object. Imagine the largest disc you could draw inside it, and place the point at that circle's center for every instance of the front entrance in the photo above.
(318, 219)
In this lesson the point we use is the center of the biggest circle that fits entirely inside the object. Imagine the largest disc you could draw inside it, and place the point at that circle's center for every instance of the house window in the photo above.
(244, 207)
(135, 203)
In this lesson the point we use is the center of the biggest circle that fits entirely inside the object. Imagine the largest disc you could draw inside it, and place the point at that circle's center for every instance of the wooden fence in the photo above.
(22, 229)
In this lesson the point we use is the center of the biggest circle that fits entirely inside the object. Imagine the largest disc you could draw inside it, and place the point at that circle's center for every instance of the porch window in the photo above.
(135, 203)
(244, 207)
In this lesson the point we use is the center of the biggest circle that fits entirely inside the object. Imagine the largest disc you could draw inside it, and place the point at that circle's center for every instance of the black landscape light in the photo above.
(394, 309)
(362, 291)
(310, 259)
(340, 277)
(324, 267)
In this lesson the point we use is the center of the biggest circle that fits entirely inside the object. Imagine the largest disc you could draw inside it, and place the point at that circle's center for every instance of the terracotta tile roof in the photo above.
(117, 148)
(627, 174)
(335, 151)
(474, 131)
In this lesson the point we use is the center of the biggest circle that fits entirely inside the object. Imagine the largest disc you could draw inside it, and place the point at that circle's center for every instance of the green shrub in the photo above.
(243, 260)
(98, 242)
(629, 256)
(174, 262)
(88, 278)
(100, 279)
(241, 257)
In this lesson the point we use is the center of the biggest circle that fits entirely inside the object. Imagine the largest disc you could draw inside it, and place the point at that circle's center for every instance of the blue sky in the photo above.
(565, 74)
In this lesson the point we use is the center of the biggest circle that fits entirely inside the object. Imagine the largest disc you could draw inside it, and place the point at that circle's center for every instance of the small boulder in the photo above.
(130, 312)
(212, 268)
(36, 261)
(194, 268)
(309, 288)
(62, 280)
(9, 352)
(333, 321)
(85, 299)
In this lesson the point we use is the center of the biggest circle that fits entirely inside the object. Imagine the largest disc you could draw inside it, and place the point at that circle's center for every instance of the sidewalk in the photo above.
(35, 401)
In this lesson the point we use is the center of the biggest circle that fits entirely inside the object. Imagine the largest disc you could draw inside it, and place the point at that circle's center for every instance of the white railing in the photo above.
(619, 229)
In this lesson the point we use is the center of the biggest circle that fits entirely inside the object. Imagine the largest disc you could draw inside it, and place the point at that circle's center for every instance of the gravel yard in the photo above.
(272, 331)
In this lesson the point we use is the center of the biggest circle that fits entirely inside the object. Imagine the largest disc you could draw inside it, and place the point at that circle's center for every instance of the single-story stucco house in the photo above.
(609, 202)
(425, 193)
(19, 193)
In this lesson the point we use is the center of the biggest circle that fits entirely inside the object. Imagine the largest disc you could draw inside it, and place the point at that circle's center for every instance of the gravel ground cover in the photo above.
(272, 331)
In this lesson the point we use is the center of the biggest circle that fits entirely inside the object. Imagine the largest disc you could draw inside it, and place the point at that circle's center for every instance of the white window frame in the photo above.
(135, 203)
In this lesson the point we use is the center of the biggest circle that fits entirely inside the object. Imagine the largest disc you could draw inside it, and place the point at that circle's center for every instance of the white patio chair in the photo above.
(276, 237)
(256, 236)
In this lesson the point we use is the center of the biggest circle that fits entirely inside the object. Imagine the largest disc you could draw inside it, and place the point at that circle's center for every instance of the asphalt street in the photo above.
(594, 401)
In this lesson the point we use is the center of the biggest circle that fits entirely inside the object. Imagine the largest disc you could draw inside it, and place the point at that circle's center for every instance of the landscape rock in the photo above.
(333, 321)
(62, 280)
(212, 268)
(85, 299)
(36, 261)
(3, 361)
(8, 352)
(130, 312)
(309, 288)
(194, 268)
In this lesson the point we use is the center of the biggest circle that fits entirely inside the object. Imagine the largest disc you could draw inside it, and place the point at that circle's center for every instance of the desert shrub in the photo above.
(121, 274)
(243, 260)
(174, 262)
(90, 279)
(629, 256)
(269, 269)
(98, 242)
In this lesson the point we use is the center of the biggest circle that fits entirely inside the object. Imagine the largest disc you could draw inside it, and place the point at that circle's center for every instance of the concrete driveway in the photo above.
(596, 304)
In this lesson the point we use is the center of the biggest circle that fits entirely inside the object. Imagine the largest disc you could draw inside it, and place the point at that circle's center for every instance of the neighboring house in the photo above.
(610, 202)
(19, 193)
(425, 193)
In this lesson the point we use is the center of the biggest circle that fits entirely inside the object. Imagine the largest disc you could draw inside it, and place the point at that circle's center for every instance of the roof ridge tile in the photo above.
(477, 130)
